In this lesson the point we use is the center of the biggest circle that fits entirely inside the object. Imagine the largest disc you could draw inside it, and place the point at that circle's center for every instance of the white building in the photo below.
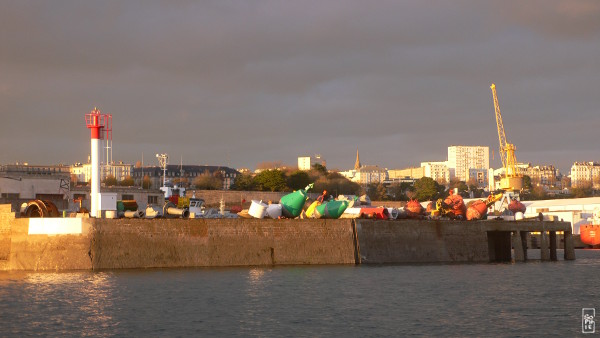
(583, 173)
(83, 172)
(463, 158)
(350, 174)
(307, 162)
(80, 196)
(366, 174)
(438, 171)
(22, 182)
(577, 211)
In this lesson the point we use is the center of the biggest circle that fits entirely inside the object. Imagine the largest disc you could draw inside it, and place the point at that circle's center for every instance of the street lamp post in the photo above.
(163, 160)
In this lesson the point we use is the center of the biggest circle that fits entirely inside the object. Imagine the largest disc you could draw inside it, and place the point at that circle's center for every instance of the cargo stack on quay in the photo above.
(78, 243)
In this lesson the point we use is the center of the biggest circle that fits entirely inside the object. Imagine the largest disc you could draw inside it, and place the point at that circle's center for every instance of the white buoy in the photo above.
(274, 211)
(257, 209)
(518, 216)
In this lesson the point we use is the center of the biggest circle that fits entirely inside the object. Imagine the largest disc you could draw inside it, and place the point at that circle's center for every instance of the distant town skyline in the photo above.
(240, 83)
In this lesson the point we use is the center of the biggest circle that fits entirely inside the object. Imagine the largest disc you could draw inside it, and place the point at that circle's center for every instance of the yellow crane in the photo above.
(512, 180)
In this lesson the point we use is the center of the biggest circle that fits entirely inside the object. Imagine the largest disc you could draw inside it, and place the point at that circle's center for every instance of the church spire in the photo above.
(357, 164)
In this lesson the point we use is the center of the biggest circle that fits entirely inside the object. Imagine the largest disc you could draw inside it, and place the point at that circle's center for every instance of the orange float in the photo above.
(413, 209)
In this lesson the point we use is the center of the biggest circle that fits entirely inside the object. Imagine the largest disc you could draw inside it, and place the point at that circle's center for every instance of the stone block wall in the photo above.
(139, 243)
(420, 241)
(6, 217)
(47, 252)
(167, 243)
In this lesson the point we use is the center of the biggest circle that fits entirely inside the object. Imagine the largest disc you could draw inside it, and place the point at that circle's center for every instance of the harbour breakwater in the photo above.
(40, 244)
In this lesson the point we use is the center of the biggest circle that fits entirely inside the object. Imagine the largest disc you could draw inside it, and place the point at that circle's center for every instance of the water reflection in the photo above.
(255, 282)
(255, 275)
(78, 303)
(530, 299)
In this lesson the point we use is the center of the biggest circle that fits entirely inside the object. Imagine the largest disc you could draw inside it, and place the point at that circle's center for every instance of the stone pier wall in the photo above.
(139, 243)
(76, 244)
(48, 252)
(6, 217)
(420, 241)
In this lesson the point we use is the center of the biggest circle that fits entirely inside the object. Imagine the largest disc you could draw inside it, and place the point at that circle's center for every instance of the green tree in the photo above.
(127, 182)
(298, 180)
(527, 182)
(377, 192)
(426, 188)
(243, 182)
(319, 168)
(538, 193)
(271, 180)
(334, 183)
(398, 191)
(208, 181)
(582, 190)
(110, 181)
(181, 181)
(455, 183)
(472, 184)
(146, 182)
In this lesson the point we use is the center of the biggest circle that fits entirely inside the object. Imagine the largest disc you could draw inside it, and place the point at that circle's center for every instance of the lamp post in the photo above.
(163, 160)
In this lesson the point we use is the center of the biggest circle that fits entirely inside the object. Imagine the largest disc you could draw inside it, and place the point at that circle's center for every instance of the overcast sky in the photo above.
(242, 82)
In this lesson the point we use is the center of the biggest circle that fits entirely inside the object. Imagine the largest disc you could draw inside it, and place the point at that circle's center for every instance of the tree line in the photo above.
(335, 184)
(290, 180)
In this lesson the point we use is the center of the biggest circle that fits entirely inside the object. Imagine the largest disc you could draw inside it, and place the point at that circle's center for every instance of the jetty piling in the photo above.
(517, 244)
(553, 246)
(506, 236)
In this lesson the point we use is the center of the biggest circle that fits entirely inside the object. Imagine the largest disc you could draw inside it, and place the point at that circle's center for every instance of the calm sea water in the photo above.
(523, 299)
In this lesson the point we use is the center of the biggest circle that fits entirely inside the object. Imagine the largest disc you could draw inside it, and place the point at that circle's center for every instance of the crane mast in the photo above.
(512, 180)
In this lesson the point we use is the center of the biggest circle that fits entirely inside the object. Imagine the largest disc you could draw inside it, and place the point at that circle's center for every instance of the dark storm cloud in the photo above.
(238, 83)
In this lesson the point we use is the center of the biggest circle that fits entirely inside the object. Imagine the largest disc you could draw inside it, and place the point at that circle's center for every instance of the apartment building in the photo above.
(463, 158)
(83, 172)
(583, 173)
(306, 162)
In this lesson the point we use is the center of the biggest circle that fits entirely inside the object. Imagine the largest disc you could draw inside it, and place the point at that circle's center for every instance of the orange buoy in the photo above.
(477, 210)
(516, 206)
(414, 209)
(456, 204)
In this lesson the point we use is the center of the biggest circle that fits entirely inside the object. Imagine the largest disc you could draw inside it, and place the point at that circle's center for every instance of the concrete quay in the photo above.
(57, 244)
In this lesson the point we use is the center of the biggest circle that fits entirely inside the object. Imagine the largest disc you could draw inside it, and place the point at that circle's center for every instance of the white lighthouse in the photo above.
(99, 125)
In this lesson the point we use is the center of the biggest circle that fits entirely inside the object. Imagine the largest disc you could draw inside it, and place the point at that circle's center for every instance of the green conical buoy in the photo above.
(331, 209)
(294, 202)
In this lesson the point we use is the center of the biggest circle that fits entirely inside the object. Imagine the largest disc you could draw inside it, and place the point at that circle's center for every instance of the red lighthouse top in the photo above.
(97, 123)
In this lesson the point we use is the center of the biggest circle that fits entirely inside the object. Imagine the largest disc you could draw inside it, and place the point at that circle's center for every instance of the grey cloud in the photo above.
(238, 83)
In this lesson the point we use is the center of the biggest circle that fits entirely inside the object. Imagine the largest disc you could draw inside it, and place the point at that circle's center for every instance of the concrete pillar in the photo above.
(545, 253)
(517, 246)
(524, 243)
(499, 246)
(491, 246)
(569, 247)
(553, 246)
